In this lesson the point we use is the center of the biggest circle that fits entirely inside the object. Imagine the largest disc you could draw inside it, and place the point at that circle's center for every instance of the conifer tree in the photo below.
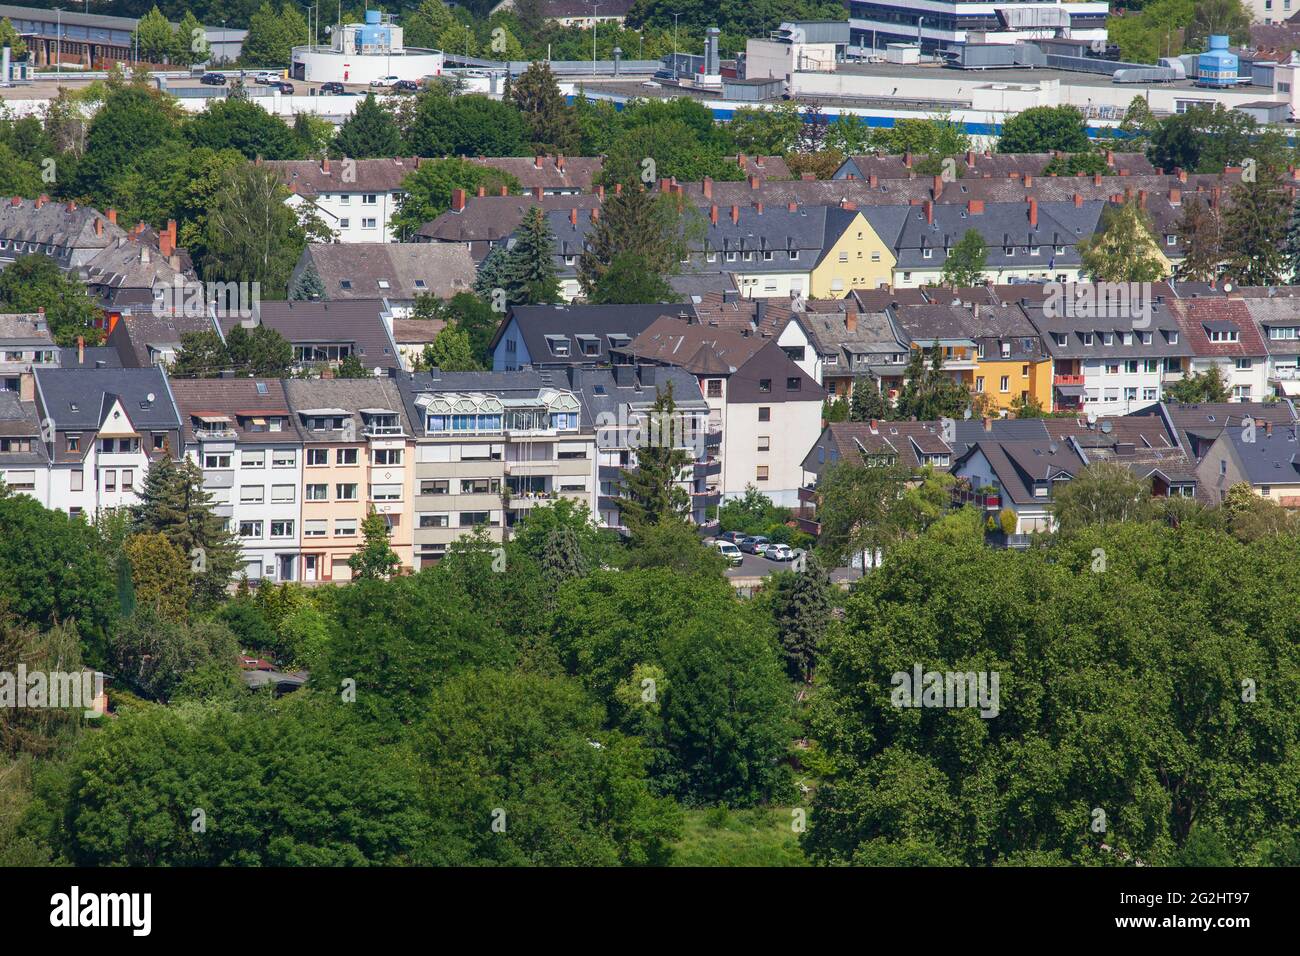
(632, 222)
(492, 273)
(1201, 231)
(651, 494)
(802, 611)
(530, 267)
(369, 132)
(308, 285)
(376, 560)
(1254, 230)
(867, 402)
(552, 123)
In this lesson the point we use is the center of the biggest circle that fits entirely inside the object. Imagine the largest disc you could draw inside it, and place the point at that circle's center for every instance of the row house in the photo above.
(399, 273)
(25, 344)
(766, 409)
(850, 345)
(487, 448)
(24, 457)
(976, 165)
(323, 334)
(1279, 323)
(558, 336)
(357, 445)
(1110, 358)
(1222, 334)
(355, 198)
(242, 434)
(102, 428)
(620, 401)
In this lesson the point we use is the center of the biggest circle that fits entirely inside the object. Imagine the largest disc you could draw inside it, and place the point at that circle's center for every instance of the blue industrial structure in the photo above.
(1217, 66)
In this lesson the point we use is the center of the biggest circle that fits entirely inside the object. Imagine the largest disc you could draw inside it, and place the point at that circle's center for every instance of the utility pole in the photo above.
(594, 8)
(675, 16)
(58, 39)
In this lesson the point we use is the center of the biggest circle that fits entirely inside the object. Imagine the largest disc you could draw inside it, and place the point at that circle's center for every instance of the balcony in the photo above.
(808, 525)
(808, 495)
(713, 439)
(989, 501)
(706, 499)
(1067, 379)
(542, 466)
(1284, 373)
(709, 468)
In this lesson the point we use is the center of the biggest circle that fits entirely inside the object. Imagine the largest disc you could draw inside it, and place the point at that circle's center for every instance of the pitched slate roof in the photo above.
(1199, 317)
(554, 172)
(309, 178)
(390, 270)
(1018, 465)
(1272, 457)
(348, 395)
(906, 441)
(1279, 312)
(359, 322)
(536, 322)
(134, 335)
(19, 419)
(495, 218)
(242, 400)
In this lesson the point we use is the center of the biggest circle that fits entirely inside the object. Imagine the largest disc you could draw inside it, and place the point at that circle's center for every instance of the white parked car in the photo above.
(385, 81)
(730, 552)
(778, 552)
(267, 77)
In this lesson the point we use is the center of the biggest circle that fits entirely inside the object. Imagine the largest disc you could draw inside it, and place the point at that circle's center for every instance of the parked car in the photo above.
(268, 77)
(213, 79)
(283, 87)
(755, 545)
(733, 536)
(406, 86)
(778, 552)
(331, 89)
(729, 551)
(386, 81)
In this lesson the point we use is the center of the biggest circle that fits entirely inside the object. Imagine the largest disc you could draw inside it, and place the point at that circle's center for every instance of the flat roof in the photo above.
(1011, 76)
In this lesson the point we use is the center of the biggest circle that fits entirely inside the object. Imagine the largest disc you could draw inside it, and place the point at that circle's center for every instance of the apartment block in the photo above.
(490, 446)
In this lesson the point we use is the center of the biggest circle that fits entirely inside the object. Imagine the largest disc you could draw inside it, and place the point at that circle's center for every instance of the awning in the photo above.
(1071, 390)
(1290, 387)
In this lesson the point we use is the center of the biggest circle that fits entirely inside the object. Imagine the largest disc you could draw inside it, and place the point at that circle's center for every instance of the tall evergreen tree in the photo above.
(632, 222)
(552, 123)
(530, 267)
(369, 132)
(802, 611)
(1291, 246)
(651, 494)
(174, 504)
(1123, 248)
(1254, 230)
(308, 285)
(867, 402)
(1201, 231)
(492, 273)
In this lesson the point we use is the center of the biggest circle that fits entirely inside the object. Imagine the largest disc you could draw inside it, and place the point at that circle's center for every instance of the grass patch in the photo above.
(758, 837)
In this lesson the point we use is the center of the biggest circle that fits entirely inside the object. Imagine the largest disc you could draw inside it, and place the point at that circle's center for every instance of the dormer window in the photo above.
(559, 345)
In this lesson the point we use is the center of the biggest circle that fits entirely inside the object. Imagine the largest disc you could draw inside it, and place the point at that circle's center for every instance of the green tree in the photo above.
(1199, 387)
(426, 23)
(426, 192)
(801, 606)
(1123, 249)
(308, 286)
(450, 351)
(153, 36)
(131, 121)
(173, 503)
(272, 35)
(154, 653)
(552, 123)
(867, 402)
(1201, 230)
(1045, 129)
(530, 266)
(376, 559)
(159, 576)
(965, 263)
(1102, 493)
(469, 125)
(1227, 17)
(767, 130)
(369, 132)
(246, 127)
(630, 279)
(636, 224)
(651, 493)
(11, 38)
(1254, 230)
(857, 502)
(34, 282)
(190, 44)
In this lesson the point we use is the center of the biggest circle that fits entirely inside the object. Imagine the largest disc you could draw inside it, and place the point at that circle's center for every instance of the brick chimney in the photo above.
(808, 177)
(988, 424)
(505, 191)
(937, 187)
(1142, 198)
(41, 200)
(753, 182)
(848, 204)
(735, 215)
(759, 207)
(1124, 172)
(1175, 196)
(325, 165)
(81, 350)
(1110, 158)
(929, 212)
(1033, 212)
(975, 207)
(792, 207)
(1096, 179)
(1078, 201)
(167, 239)
(1214, 198)
(707, 187)
(595, 215)
(539, 161)
(600, 193)
(850, 321)
(559, 163)
(482, 191)
(458, 200)
(970, 158)
(741, 160)
(538, 193)
(16, 201)
(72, 205)
(713, 214)
(573, 217)
(99, 227)
(907, 160)
(758, 161)
(873, 181)
(618, 189)
(1029, 180)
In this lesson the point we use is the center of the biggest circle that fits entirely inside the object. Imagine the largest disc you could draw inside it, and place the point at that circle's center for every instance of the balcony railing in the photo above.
(1067, 379)
(1285, 373)
(706, 469)
(990, 501)
(808, 494)
(713, 439)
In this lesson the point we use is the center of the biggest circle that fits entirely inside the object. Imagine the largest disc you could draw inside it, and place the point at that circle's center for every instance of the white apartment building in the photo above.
(102, 427)
(355, 198)
(242, 435)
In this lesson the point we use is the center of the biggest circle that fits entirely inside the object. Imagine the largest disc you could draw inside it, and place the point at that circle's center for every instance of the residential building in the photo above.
(852, 344)
(396, 272)
(357, 447)
(241, 433)
(412, 335)
(355, 198)
(553, 175)
(484, 222)
(490, 446)
(145, 337)
(563, 335)
(102, 428)
(1021, 476)
(620, 402)
(24, 457)
(323, 334)
(1261, 454)
(767, 409)
(1279, 322)
(1222, 334)
(25, 344)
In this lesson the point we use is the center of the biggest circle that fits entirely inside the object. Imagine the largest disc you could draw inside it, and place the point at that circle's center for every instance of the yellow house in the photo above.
(1004, 381)
(854, 257)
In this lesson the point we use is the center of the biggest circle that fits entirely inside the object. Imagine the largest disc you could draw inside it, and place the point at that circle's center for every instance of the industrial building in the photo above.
(364, 52)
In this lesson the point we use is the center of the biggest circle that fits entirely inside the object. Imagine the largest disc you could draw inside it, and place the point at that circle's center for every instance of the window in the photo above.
(345, 492)
(480, 486)
(1244, 364)
(793, 384)
(764, 414)
(346, 456)
(387, 456)
(317, 492)
(77, 477)
(216, 461)
(250, 529)
(345, 527)
(1004, 383)
(315, 528)
(979, 383)
(385, 492)
(761, 473)
(318, 456)
(282, 492)
(1087, 338)
(369, 199)
(715, 388)
(470, 519)
(765, 385)
(345, 223)
(74, 443)
(875, 257)
(283, 459)
(282, 529)
(367, 223)
(434, 487)
(764, 442)
(251, 494)
(252, 459)
(128, 476)
(435, 521)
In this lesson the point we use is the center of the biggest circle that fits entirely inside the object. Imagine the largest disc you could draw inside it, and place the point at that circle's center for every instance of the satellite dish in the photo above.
(1107, 427)
(149, 398)
(1098, 46)
(1227, 287)
(1092, 417)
